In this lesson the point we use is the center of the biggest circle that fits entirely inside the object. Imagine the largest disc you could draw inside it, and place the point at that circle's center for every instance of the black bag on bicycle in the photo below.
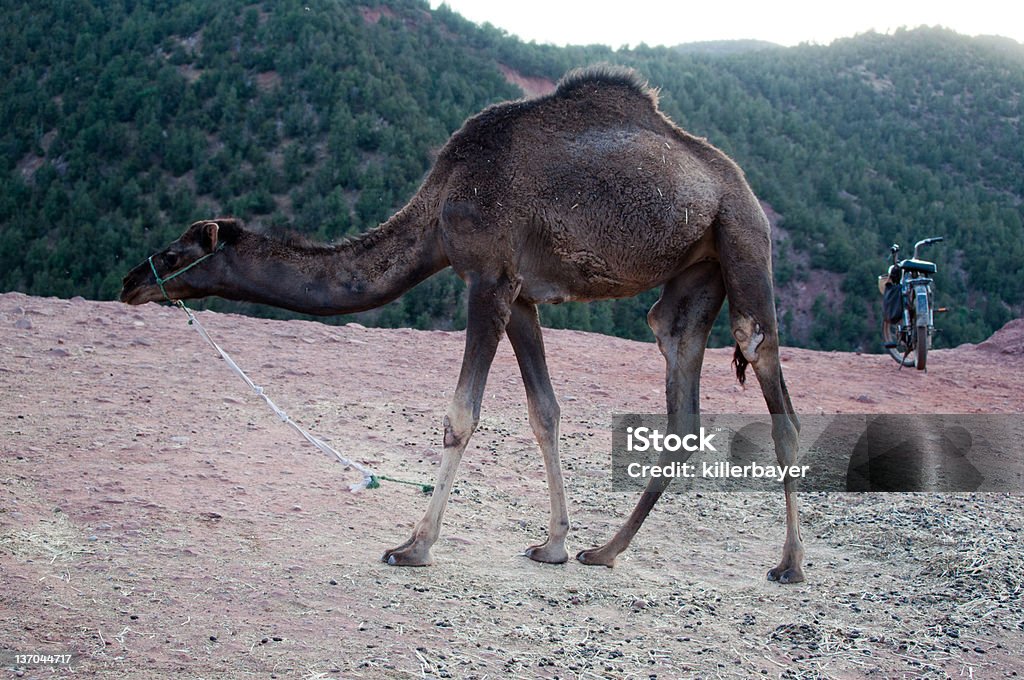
(892, 304)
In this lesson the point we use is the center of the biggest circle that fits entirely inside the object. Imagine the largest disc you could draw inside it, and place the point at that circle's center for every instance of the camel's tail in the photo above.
(740, 363)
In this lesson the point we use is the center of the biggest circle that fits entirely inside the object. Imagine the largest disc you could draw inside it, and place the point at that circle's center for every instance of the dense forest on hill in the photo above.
(123, 122)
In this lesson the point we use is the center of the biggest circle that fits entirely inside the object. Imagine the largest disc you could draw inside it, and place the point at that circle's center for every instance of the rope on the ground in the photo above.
(369, 481)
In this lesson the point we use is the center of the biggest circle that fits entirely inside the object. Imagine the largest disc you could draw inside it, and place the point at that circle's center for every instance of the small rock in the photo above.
(639, 605)
(23, 324)
(58, 352)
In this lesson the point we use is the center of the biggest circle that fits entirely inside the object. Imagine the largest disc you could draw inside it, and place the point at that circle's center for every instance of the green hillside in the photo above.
(123, 122)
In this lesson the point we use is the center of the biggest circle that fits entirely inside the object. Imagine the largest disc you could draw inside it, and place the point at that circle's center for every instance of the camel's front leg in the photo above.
(415, 552)
(525, 335)
(488, 314)
(681, 321)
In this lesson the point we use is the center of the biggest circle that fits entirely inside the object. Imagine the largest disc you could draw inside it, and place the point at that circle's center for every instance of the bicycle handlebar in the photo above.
(926, 242)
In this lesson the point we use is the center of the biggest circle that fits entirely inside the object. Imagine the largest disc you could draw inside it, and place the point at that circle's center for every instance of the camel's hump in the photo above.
(605, 75)
(593, 96)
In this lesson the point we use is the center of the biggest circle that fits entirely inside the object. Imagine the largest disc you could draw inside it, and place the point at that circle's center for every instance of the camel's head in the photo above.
(183, 270)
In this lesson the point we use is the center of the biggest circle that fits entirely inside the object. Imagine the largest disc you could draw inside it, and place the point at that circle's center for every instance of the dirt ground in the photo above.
(157, 520)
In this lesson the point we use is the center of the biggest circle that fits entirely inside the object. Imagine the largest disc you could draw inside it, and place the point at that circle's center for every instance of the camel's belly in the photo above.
(581, 271)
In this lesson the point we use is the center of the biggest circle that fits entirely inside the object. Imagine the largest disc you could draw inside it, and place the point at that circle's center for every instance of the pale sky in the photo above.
(786, 22)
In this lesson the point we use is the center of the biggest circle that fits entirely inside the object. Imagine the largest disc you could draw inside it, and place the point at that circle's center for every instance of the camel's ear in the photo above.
(210, 234)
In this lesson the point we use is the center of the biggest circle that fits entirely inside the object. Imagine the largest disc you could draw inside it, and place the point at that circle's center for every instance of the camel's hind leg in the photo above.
(681, 321)
(489, 311)
(525, 335)
(744, 250)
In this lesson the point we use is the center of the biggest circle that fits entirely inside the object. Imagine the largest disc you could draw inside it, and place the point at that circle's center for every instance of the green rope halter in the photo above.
(160, 281)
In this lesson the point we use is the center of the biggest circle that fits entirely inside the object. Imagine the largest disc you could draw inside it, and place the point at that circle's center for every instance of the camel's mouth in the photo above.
(136, 296)
(137, 289)
(133, 296)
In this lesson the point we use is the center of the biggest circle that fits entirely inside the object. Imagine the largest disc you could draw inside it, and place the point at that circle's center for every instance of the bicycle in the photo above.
(908, 311)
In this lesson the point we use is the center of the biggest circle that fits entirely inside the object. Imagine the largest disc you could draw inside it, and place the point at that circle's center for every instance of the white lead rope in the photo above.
(369, 479)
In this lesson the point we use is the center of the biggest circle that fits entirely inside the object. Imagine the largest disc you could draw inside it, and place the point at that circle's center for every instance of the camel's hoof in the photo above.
(596, 557)
(407, 557)
(547, 554)
(783, 575)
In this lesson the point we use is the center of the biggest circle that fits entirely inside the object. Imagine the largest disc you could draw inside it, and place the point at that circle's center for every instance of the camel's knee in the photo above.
(544, 416)
(459, 426)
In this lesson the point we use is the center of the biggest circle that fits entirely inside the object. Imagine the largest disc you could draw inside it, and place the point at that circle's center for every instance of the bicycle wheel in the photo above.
(896, 346)
(921, 345)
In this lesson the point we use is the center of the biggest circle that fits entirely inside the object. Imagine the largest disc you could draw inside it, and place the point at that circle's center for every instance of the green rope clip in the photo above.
(375, 483)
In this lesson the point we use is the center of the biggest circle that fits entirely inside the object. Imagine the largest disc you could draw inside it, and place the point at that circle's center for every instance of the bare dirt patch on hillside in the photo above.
(156, 520)
(532, 86)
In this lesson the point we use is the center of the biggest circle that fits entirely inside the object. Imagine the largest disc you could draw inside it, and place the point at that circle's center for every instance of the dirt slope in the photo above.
(157, 519)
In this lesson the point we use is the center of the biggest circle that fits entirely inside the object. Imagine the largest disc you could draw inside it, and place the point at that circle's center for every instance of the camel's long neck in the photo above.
(359, 274)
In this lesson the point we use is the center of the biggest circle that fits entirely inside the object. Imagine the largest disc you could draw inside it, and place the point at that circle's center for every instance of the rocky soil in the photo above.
(156, 520)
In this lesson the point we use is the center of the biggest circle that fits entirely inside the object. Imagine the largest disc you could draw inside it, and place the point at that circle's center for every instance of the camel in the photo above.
(586, 193)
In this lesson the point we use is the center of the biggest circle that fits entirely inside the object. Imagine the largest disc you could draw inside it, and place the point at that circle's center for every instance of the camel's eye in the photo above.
(171, 258)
